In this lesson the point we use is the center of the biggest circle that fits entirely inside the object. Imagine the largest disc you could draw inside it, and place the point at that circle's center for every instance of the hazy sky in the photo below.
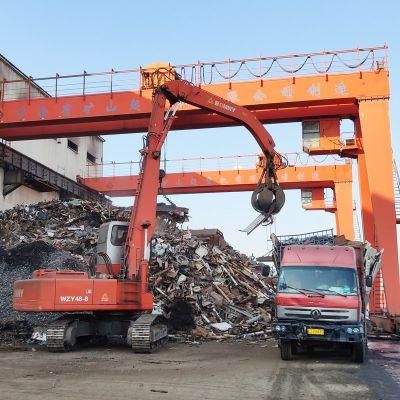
(45, 37)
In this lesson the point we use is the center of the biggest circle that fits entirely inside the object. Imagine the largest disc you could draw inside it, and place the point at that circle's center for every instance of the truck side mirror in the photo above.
(283, 286)
(368, 281)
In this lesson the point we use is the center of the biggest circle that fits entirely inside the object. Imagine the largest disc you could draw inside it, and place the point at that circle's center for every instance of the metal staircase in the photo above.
(396, 181)
(356, 223)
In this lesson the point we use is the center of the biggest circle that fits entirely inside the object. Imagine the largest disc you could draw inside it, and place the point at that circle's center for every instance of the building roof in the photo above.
(7, 62)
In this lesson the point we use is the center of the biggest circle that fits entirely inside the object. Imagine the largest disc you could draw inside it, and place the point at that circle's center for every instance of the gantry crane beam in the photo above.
(272, 100)
(337, 177)
(225, 180)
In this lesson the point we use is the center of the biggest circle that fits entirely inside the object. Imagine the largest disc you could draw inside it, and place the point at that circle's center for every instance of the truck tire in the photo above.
(286, 350)
(294, 348)
(359, 352)
(310, 349)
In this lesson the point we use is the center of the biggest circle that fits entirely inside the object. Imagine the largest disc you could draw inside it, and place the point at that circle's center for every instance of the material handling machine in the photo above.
(117, 300)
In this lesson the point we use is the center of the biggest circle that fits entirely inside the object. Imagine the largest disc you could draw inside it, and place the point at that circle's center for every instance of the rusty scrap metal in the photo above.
(229, 296)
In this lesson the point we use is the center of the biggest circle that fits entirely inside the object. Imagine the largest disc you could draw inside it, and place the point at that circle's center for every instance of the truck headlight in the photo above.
(283, 328)
(278, 328)
(353, 330)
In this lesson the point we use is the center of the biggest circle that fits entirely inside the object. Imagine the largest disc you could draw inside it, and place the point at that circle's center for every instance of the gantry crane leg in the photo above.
(377, 193)
(344, 209)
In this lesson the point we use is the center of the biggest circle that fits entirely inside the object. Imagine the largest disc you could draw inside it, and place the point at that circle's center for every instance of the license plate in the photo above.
(316, 331)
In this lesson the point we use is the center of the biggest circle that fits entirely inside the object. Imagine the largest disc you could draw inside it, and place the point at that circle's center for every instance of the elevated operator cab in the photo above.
(110, 247)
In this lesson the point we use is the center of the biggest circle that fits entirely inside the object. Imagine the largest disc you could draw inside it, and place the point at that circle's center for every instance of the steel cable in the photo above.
(293, 71)
(203, 75)
(263, 74)
(232, 75)
(280, 65)
(355, 65)
(326, 69)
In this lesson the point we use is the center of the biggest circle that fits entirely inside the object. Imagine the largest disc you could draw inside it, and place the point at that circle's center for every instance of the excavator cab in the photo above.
(110, 246)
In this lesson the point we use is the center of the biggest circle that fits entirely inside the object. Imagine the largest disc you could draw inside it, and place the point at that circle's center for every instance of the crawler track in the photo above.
(147, 333)
(56, 336)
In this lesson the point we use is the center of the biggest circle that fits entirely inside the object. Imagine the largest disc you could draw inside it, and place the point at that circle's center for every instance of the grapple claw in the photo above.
(279, 199)
(268, 201)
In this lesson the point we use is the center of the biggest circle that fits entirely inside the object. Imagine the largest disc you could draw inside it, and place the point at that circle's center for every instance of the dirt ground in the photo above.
(206, 371)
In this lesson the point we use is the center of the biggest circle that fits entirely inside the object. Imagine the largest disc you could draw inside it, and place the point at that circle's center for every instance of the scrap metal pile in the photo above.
(18, 263)
(205, 288)
(71, 226)
(207, 291)
(53, 235)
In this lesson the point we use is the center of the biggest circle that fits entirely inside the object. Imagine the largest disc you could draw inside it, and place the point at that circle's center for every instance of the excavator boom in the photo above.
(180, 90)
(267, 199)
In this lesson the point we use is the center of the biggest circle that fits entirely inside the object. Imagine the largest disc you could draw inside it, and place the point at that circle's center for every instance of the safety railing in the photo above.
(204, 164)
(231, 70)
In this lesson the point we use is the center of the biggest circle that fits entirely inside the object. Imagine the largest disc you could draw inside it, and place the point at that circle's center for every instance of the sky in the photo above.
(47, 37)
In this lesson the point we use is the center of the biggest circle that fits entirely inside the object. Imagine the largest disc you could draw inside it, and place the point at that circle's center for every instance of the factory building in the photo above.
(66, 157)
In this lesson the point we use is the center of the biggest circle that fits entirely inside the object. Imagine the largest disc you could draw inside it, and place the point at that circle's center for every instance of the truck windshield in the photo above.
(327, 280)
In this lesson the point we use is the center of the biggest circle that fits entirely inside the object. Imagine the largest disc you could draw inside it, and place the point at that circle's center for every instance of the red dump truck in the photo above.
(324, 282)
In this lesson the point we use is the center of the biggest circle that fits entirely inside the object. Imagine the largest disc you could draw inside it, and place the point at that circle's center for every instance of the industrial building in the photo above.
(65, 157)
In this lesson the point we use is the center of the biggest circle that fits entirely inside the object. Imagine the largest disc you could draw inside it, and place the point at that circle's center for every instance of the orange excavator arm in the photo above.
(180, 90)
(268, 198)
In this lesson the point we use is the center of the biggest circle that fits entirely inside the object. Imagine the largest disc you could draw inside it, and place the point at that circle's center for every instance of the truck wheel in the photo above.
(359, 352)
(286, 350)
(294, 348)
(310, 349)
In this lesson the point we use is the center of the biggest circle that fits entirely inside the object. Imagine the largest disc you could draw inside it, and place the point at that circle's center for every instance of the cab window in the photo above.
(119, 234)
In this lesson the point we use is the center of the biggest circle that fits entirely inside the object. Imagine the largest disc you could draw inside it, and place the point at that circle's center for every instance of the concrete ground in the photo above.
(207, 371)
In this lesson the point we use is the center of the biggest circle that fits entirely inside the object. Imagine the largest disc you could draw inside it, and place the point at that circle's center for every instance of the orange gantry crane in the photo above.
(119, 294)
(319, 88)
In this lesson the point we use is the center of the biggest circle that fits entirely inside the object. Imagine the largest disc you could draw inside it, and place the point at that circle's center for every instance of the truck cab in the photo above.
(321, 298)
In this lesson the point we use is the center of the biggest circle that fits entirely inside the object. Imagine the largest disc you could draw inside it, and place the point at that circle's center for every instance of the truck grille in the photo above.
(317, 314)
